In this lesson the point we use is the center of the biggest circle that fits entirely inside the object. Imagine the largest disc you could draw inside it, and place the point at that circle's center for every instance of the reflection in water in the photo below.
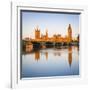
(46, 54)
(70, 56)
(56, 53)
(51, 62)
(37, 55)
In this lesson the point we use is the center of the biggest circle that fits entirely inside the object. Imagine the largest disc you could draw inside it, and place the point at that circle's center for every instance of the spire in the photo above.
(37, 28)
(69, 26)
(46, 31)
(69, 33)
(46, 34)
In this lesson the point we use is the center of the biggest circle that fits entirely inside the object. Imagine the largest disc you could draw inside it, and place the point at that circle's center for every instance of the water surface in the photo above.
(50, 62)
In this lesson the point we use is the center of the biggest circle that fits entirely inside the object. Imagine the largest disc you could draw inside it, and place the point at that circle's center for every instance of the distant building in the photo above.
(46, 34)
(69, 33)
(37, 33)
(55, 37)
(45, 37)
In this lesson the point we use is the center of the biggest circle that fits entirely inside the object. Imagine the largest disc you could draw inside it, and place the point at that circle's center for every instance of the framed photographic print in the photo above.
(49, 43)
(46, 44)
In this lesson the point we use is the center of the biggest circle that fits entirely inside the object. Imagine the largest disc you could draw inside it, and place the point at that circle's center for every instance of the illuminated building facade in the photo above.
(69, 33)
(45, 37)
(37, 33)
(55, 37)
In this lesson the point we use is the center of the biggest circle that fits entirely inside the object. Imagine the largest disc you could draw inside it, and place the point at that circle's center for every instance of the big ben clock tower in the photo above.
(69, 33)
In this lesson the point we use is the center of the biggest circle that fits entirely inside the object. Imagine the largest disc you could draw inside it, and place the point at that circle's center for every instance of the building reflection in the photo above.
(46, 54)
(37, 55)
(70, 56)
(57, 54)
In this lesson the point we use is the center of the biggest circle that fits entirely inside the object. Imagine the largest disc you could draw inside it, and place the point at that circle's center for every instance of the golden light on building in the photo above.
(69, 33)
(46, 34)
(37, 33)
(55, 37)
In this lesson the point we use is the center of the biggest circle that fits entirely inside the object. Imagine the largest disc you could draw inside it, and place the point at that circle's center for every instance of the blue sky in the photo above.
(56, 23)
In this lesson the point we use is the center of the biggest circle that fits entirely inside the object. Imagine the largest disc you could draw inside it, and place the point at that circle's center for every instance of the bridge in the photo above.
(48, 44)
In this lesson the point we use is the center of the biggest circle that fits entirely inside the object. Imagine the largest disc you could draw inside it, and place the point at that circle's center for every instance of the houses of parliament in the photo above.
(55, 37)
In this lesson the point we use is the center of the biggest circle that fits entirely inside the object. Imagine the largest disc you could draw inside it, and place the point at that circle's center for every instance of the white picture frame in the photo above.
(16, 82)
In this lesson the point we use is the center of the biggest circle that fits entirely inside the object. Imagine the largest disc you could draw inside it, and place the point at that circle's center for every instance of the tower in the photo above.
(46, 34)
(37, 33)
(69, 33)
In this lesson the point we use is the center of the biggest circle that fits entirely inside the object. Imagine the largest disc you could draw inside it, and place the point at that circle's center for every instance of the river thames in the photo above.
(50, 62)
